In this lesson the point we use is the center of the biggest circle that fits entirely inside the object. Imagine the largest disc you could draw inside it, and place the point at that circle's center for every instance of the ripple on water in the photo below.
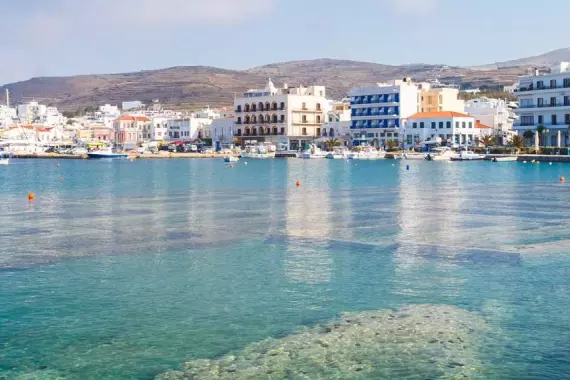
(423, 341)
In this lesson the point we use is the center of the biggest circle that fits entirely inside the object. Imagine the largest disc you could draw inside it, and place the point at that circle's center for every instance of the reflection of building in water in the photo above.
(311, 220)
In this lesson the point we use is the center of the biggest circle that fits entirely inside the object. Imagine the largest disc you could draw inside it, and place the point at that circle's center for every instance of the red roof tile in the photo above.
(438, 115)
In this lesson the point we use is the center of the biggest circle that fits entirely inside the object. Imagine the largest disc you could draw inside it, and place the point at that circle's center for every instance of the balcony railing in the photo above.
(545, 105)
(238, 110)
(526, 89)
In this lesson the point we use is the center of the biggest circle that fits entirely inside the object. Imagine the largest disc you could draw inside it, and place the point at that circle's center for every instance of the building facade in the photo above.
(544, 100)
(131, 130)
(495, 113)
(444, 127)
(378, 112)
(437, 99)
(222, 131)
(291, 117)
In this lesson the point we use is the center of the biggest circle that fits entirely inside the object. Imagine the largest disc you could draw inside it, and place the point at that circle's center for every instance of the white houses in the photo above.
(291, 117)
(544, 100)
(8, 116)
(337, 123)
(443, 127)
(495, 113)
(222, 131)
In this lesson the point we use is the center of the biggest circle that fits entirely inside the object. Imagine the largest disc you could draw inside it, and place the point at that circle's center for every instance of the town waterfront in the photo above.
(127, 270)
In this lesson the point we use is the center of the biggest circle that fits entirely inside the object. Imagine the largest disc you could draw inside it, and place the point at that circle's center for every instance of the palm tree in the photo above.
(486, 140)
(330, 144)
(391, 144)
(375, 142)
(517, 142)
(528, 134)
(540, 130)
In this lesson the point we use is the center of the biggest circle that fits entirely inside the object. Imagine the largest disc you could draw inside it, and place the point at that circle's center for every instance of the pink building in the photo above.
(129, 130)
(102, 133)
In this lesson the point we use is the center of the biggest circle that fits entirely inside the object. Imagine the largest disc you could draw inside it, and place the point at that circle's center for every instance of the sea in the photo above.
(196, 269)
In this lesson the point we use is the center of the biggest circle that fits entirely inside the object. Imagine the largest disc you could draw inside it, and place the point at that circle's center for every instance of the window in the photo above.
(330, 119)
(441, 125)
(421, 124)
(415, 125)
(540, 85)
(282, 118)
(448, 124)
(253, 107)
(304, 118)
(433, 125)
(540, 119)
(282, 106)
(457, 124)
(318, 106)
(553, 119)
(567, 100)
(470, 124)
(318, 131)
(463, 125)
(304, 132)
(553, 101)
(318, 119)
(282, 131)
(247, 108)
(274, 118)
(566, 82)
(528, 120)
(553, 83)
(239, 120)
(567, 119)
(430, 99)
(274, 106)
(239, 108)
(304, 106)
(540, 102)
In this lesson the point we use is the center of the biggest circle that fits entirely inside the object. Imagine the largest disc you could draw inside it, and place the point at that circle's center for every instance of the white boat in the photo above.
(505, 159)
(414, 156)
(258, 151)
(106, 153)
(440, 154)
(337, 154)
(231, 159)
(367, 153)
(313, 152)
(4, 158)
(466, 155)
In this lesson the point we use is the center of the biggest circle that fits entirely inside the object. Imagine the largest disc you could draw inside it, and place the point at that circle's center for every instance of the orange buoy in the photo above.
(562, 179)
(298, 183)
(31, 196)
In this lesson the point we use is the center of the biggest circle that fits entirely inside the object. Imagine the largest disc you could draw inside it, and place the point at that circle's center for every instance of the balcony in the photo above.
(307, 110)
(532, 88)
(238, 110)
(544, 105)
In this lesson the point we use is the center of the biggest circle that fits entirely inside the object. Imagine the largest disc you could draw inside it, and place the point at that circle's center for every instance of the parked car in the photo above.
(51, 149)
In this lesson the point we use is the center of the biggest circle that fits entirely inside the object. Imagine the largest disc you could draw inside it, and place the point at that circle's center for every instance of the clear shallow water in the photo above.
(127, 270)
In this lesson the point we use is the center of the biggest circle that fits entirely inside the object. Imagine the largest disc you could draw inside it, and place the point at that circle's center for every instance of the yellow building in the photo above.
(85, 134)
(437, 99)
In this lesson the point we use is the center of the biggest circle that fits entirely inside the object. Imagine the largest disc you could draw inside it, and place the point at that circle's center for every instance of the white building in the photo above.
(544, 99)
(35, 113)
(445, 127)
(132, 105)
(378, 112)
(8, 116)
(222, 131)
(495, 113)
(290, 117)
(159, 128)
(337, 123)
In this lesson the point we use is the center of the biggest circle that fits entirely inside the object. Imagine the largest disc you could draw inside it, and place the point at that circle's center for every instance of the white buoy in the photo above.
(245, 163)
(550, 163)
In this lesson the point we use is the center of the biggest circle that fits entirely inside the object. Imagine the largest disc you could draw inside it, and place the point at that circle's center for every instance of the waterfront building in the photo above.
(544, 100)
(288, 117)
(378, 112)
(101, 133)
(159, 127)
(444, 127)
(35, 113)
(130, 130)
(8, 116)
(106, 115)
(338, 122)
(222, 131)
(436, 97)
(497, 113)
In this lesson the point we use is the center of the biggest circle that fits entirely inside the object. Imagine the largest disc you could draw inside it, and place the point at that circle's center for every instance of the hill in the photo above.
(195, 86)
(542, 60)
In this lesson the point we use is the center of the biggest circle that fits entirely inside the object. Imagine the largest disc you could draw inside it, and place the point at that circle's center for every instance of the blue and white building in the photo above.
(378, 112)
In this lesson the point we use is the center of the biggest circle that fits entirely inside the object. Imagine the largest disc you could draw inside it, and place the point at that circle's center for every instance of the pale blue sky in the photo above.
(67, 37)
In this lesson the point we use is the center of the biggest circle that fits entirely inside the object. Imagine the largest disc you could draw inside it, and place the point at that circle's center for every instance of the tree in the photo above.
(392, 144)
(330, 144)
(518, 142)
(486, 140)
(528, 134)
(540, 130)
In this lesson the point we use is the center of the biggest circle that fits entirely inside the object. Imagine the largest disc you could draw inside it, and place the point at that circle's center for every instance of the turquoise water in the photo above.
(127, 270)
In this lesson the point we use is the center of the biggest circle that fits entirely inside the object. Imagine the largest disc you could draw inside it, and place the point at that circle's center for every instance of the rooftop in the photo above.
(437, 115)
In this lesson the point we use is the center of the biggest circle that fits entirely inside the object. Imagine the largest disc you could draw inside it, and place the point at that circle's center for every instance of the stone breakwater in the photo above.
(416, 342)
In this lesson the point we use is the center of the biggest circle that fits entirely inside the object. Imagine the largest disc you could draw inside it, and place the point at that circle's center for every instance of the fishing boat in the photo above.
(505, 159)
(231, 159)
(440, 154)
(106, 153)
(466, 155)
(258, 151)
(367, 153)
(313, 151)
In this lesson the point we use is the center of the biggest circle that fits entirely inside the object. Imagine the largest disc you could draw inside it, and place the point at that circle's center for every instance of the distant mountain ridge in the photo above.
(196, 86)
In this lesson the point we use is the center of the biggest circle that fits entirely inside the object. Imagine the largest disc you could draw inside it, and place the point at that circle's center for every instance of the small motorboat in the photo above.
(106, 153)
(313, 152)
(504, 159)
(466, 155)
(4, 158)
(414, 156)
(337, 154)
(231, 159)
(367, 153)
(440, 154)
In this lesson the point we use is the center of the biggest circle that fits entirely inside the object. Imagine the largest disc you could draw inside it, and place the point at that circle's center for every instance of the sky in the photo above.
(70, 37)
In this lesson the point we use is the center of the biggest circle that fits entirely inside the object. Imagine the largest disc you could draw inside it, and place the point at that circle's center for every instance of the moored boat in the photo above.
(466, 155)
(258, 151)
(231, 159)
(367, 153)
(504, 159)
(440, 154)
(106, 153)
(4, 158)
(313, 151)
(415, 156)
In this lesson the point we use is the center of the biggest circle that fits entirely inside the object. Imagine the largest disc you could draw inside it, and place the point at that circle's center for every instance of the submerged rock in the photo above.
(421, 341)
